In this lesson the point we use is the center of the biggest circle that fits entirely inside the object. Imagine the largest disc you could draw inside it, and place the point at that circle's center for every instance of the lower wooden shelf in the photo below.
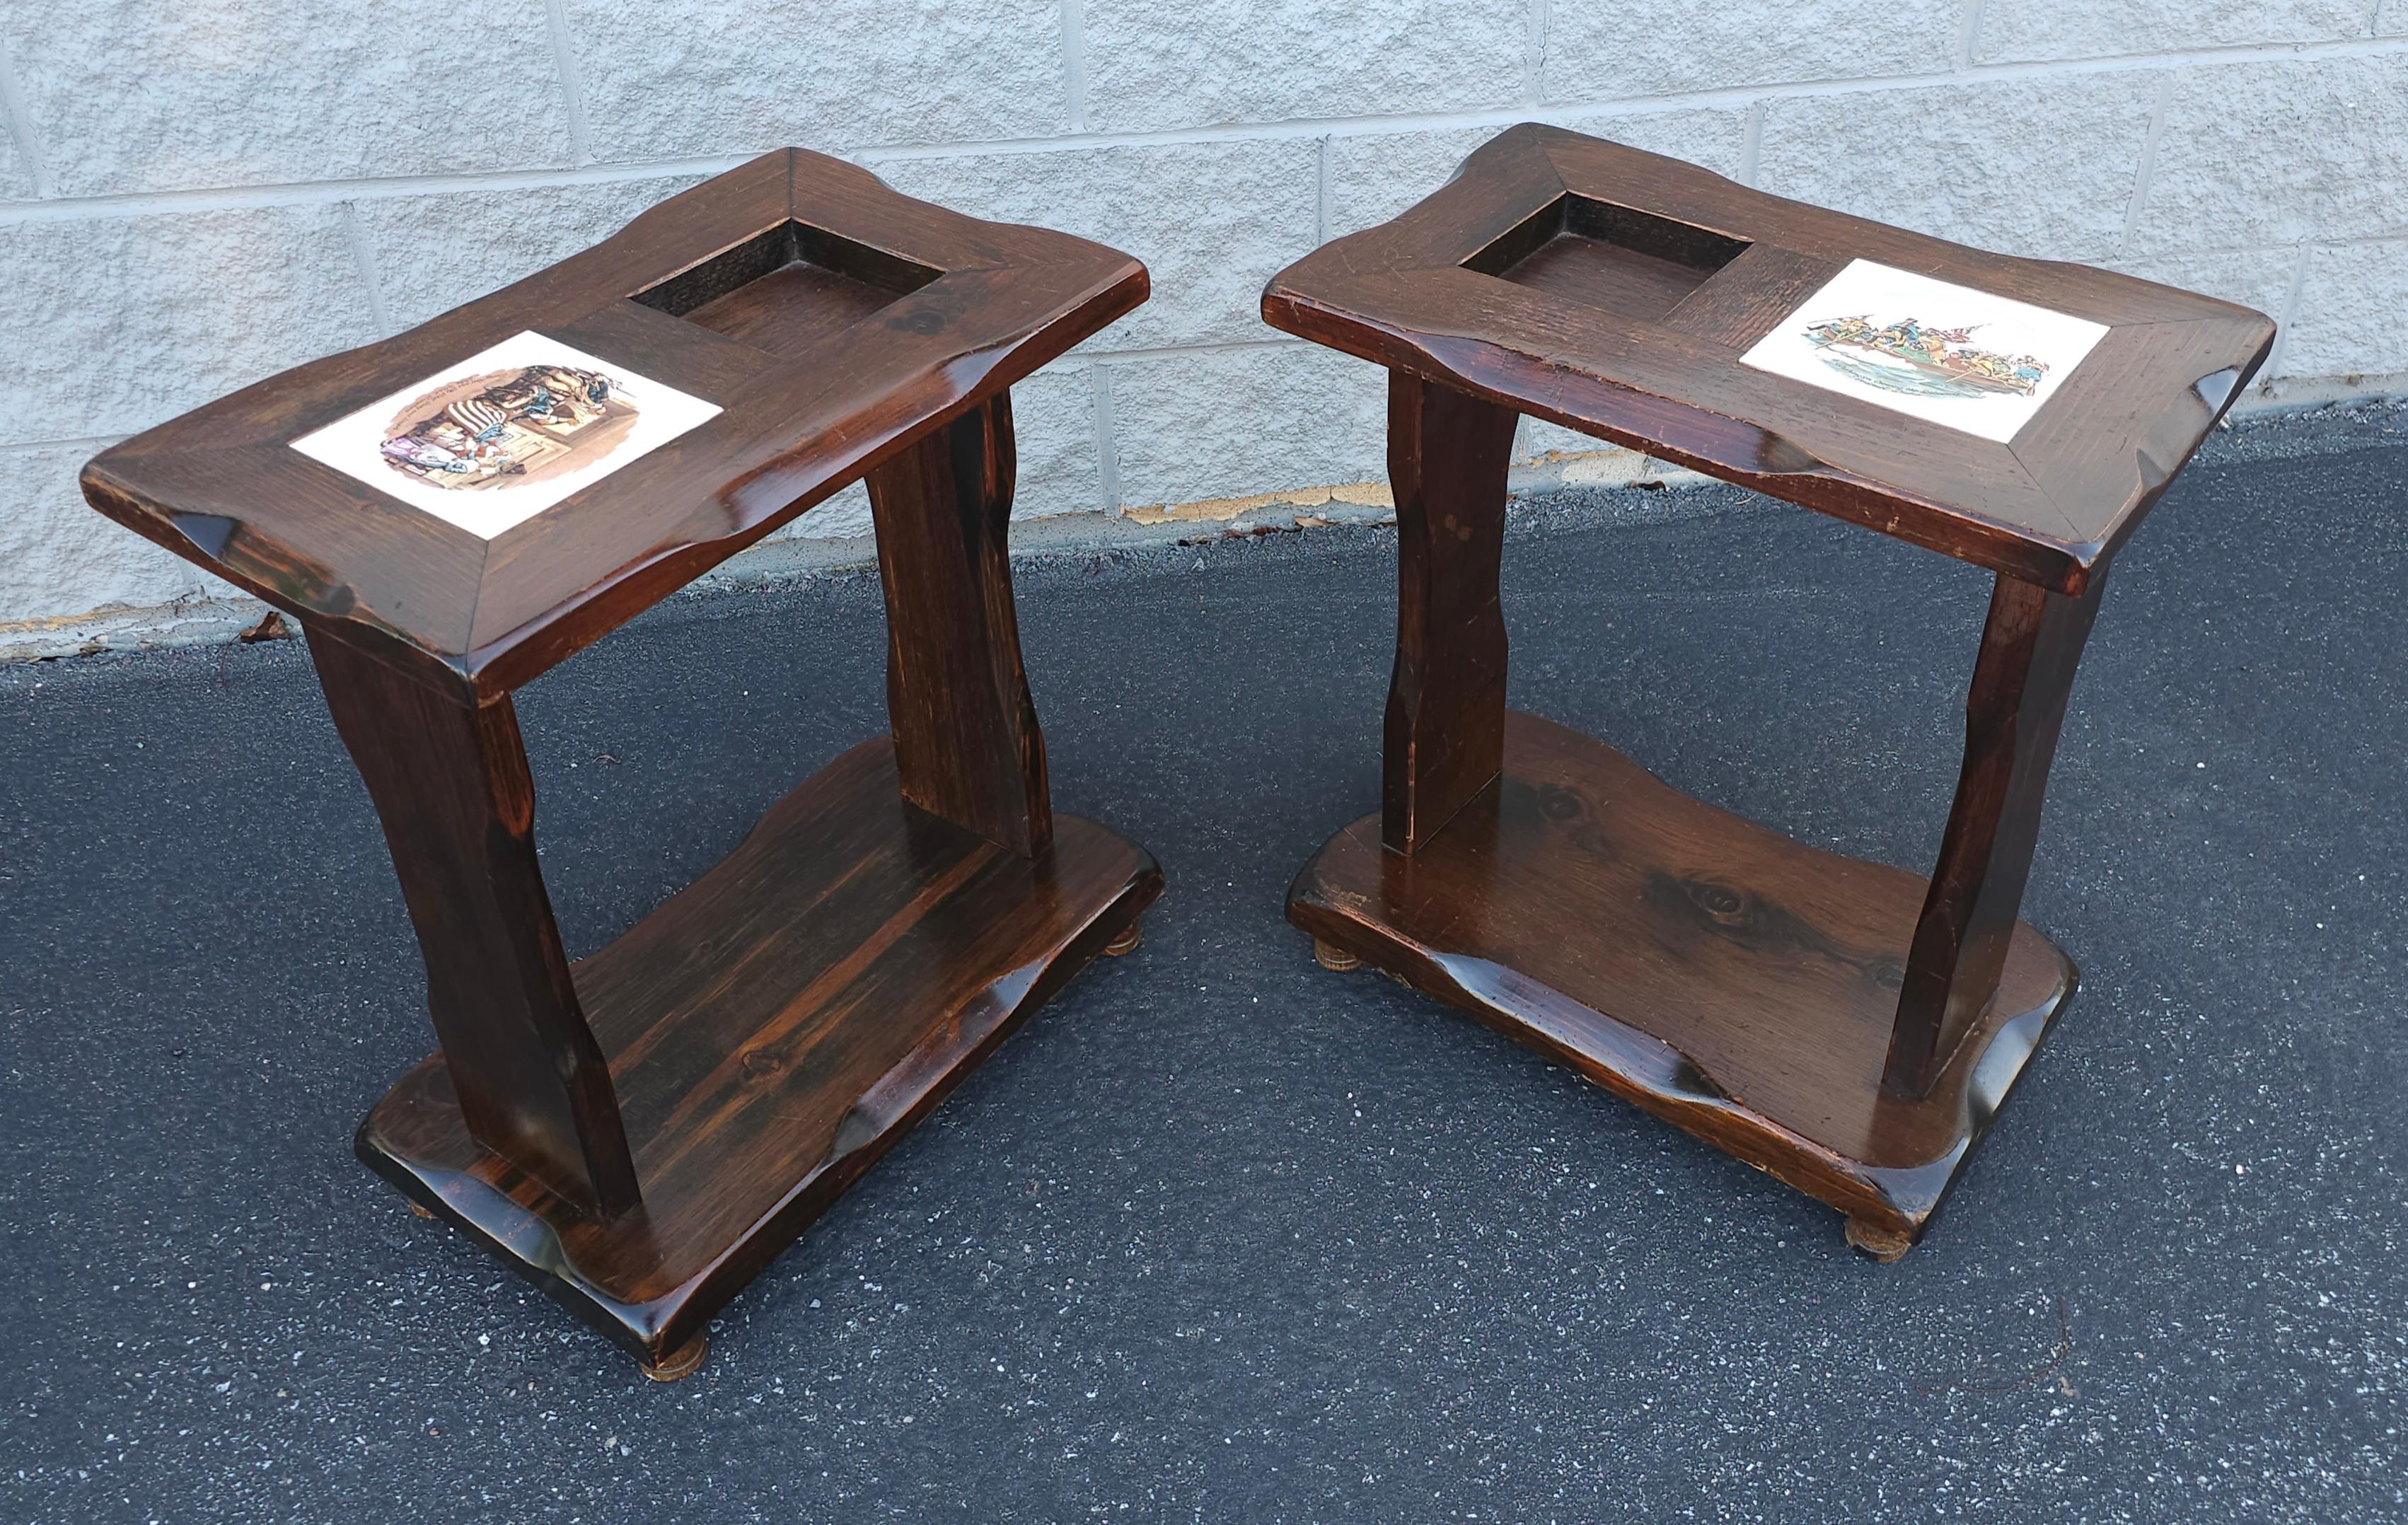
(771, 1031)
(1718, 974)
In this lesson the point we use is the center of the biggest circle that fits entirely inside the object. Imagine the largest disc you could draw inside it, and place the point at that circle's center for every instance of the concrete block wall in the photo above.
(195, 196)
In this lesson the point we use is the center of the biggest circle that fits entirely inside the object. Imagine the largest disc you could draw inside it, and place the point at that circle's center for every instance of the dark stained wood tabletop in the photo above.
(826, 315)
(1614, 291)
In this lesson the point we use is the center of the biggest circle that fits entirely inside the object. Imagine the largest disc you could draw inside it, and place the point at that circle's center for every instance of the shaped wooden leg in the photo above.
(965, 738)
(451, 786)
(1448, 452)
(2030, 647)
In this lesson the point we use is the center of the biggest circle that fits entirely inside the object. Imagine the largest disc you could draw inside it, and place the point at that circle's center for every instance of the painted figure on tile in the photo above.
(506, 428)
(1910, 356)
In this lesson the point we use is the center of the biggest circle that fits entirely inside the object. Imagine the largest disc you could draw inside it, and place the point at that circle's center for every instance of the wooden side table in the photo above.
(1847, 1026)
(450, 512)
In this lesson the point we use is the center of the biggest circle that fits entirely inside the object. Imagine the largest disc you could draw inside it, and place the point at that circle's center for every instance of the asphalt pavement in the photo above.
(1222, 1236)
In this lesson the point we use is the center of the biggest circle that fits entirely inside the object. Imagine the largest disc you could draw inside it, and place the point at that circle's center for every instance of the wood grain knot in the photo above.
(1724, 904)
(1556, 802)
(760, 1066)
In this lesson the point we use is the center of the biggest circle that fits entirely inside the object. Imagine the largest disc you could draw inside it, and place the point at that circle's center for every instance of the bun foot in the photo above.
(418, 1210)
(1331, 957)
(1883, 1243)
(683, 1361)
(1126, 942)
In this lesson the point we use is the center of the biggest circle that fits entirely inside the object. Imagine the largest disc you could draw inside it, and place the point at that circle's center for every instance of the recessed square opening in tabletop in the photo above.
(1625, 261)
(787, 287)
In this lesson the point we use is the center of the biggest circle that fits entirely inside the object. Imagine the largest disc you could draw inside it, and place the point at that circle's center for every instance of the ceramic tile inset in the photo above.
(504, 434)
(1947, 354)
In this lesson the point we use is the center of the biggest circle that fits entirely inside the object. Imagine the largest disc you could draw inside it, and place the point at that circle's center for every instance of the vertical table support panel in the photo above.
(967, 743)
(2030, 646)
(451, 786)
(1448, 454)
